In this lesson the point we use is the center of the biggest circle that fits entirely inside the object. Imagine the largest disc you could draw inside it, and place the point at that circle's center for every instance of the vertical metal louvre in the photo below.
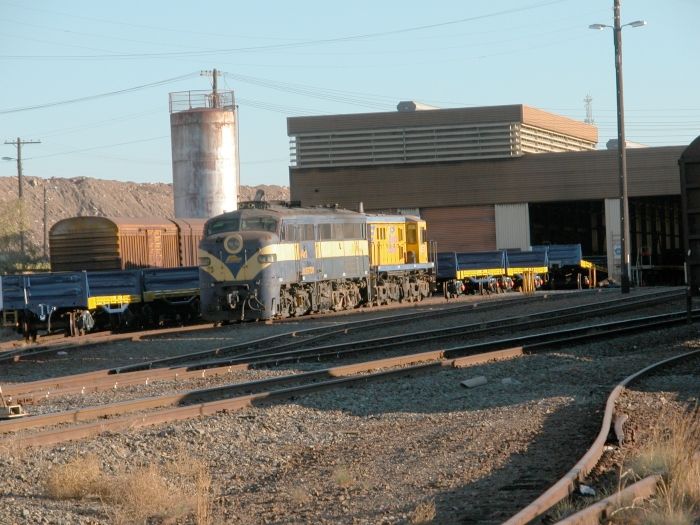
(462, 229)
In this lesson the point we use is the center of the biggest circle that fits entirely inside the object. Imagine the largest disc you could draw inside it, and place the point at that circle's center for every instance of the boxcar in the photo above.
(119, 243)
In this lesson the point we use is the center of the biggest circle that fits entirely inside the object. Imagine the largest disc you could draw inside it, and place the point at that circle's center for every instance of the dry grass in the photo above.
(144, 495)
(342, 477)
(674, 452)
(76, 479)
(147, 494)
(424, 513)
(298, 495)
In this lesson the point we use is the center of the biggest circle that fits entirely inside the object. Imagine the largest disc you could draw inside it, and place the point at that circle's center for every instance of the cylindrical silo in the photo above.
(203, 127)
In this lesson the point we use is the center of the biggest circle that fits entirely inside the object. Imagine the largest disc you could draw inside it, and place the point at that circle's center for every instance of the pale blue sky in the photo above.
(320, 57)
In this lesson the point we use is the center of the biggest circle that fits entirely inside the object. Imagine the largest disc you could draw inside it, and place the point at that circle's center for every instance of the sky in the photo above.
(90, 80)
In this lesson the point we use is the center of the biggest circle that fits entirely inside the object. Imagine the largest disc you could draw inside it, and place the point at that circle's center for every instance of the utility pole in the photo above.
(214, 73)
(622, 155)
(18, 144)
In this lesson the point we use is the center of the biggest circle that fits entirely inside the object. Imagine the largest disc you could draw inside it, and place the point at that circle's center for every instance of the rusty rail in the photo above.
(566, 485)
(28, 393)
(592, 514)
(100, 338)
(339, 376)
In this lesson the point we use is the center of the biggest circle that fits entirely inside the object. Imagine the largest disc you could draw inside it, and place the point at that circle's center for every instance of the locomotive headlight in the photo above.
(267, 258)
(204, 261)
(233, 243)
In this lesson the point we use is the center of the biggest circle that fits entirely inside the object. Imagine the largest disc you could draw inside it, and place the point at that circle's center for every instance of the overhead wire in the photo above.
(99, 95)
(289, 45)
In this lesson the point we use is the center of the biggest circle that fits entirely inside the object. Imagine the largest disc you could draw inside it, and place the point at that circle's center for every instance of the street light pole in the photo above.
(621, 145)
(621, 156)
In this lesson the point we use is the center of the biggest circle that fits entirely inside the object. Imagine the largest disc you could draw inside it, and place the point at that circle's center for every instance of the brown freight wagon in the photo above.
(118, 243)
(190, 233)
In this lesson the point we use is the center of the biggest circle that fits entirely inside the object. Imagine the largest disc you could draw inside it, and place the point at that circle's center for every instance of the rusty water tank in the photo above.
(204, 137)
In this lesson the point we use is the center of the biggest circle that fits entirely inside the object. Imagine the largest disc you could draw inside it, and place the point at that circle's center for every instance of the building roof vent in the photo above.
(612, 144)
(411, 105)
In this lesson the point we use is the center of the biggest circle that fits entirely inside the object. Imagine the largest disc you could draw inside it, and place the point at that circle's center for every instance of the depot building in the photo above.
(487, 178)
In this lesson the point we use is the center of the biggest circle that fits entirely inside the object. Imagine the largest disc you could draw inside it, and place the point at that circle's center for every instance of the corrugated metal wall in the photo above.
(462, 229)
(512, 226)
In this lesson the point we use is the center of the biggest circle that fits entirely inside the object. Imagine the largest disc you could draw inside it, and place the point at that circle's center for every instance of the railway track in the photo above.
(236, 396)
(570, 481)
(44, 351)
(55, 342)
(335, 327)
(265, 353)
(452, 447)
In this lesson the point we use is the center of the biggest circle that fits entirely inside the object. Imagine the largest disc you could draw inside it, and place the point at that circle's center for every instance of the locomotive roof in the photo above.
(281, 210)
(291, 210)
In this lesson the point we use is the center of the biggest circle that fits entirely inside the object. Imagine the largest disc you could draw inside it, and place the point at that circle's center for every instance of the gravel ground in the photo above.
(130, 352)
(650, 404)
(58, 403)
(374, 453)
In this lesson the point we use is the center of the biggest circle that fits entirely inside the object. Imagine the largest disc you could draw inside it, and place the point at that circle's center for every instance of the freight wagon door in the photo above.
(154, 240)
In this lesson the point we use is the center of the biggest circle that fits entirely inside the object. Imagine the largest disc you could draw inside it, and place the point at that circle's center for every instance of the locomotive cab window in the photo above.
(262, 224)
(227, 224)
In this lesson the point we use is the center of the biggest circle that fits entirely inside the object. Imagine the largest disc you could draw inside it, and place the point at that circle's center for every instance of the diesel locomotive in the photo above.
(276, 260)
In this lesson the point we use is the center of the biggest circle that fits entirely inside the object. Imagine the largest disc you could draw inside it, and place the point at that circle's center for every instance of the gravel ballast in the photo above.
(374, 453)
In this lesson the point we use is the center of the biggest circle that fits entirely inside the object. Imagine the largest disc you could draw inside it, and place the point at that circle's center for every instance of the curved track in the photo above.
(566, 485)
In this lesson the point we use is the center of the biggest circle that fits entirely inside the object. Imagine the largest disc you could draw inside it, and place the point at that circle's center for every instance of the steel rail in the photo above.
(102, 338)
(102, 380)
(328, 378)
(316, 333)
(438, 358)
(548, 318)
(55, 342)
(531, 341)
(346, 329)
(592, 514)
(96, 339)
(566, 485)
(123, 376)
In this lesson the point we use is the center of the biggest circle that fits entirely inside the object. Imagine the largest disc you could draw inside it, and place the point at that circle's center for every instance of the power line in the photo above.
(99, 147)
(290, 45)
(98, 96)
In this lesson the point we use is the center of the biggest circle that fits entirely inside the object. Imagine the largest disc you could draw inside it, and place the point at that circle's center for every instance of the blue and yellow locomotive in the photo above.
(267, 261)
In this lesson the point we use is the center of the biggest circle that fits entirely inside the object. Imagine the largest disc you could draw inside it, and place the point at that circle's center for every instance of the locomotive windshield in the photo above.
(238, 223)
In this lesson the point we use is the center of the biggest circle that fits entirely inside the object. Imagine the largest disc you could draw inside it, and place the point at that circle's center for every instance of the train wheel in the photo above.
(72, 328)
(25, 330)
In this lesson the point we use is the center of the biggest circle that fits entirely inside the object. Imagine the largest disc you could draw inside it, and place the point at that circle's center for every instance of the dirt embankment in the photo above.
(88, 196)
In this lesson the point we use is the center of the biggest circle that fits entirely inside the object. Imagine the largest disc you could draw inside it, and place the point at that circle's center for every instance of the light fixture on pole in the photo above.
(621, 145)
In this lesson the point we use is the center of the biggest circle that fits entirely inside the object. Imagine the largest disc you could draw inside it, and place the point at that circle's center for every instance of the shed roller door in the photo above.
(462, 229)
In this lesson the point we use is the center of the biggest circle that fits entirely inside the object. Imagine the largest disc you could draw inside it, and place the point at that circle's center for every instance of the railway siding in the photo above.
(373, 453)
